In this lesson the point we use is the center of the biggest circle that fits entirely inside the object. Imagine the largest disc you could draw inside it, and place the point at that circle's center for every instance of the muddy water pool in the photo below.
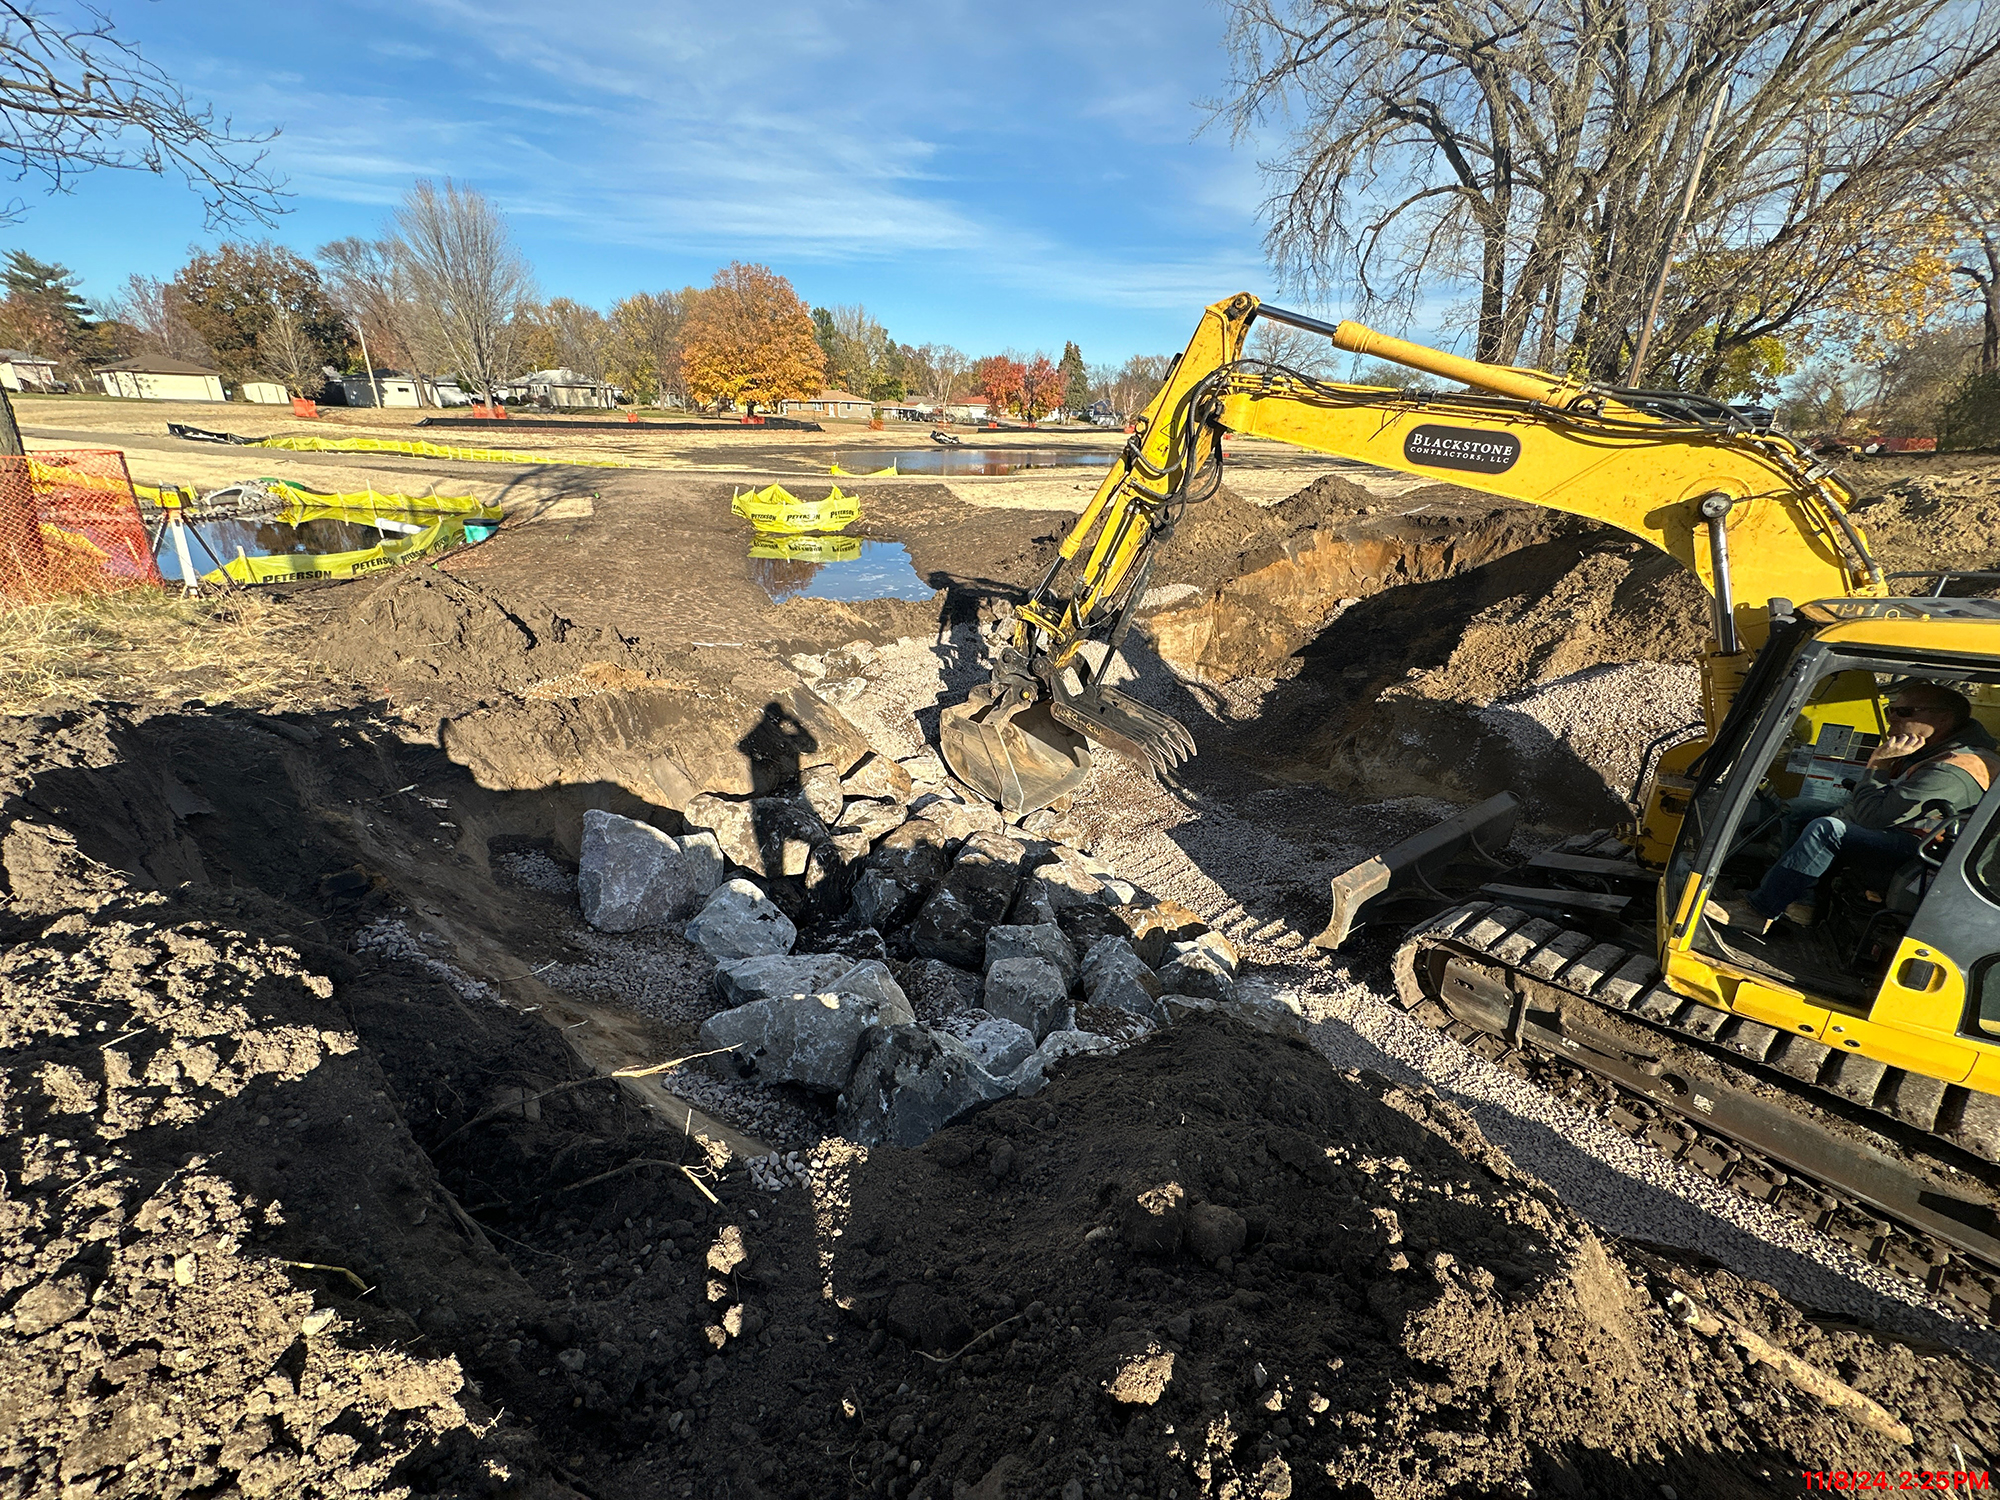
(212, 543)
(971, 461)
(835, 567)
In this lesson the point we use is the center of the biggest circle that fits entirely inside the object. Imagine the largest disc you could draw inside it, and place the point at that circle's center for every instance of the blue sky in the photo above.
(979, 175)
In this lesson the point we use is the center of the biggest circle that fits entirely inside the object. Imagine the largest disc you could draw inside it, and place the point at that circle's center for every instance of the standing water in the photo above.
(835, 567)
(972, 460)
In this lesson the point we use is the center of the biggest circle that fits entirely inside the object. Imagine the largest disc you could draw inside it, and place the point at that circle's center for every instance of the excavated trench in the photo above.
(316, 1182)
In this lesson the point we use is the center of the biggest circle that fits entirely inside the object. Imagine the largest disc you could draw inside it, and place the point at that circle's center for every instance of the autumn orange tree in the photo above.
(749, 339)
(1041, 387)
(998, 379)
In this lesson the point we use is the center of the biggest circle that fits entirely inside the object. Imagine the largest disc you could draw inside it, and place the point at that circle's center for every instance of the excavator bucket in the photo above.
(1121, 723)
(1412, 868)
(1009, 748)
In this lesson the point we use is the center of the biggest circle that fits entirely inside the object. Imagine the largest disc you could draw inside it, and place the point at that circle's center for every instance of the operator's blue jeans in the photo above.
(1812, 854)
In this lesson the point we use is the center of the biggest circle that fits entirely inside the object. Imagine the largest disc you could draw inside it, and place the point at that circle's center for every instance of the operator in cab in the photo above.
(1935, 763)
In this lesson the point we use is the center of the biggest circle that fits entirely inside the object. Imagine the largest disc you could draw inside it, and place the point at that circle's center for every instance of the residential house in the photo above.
(968, 411)
(557, 388)
(832, 404)
(155, 377)
(20, 371)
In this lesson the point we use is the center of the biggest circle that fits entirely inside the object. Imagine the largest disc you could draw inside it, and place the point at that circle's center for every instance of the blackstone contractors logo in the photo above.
(1465, 448)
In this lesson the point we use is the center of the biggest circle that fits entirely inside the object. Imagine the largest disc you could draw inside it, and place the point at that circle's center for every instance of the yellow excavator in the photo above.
(1847, 1071)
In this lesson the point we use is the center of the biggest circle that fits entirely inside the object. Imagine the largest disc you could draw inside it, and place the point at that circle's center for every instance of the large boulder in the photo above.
(1198, 972)
(953, 921)
(881, 902)
(961, 817)
(813, 1041)
(1214, 944)
(739, 921)
(707, 866)
(1031, 992)
(876, 776)
(820, 789)
(911, 1083)
(871, 819)
(1043, 940)
(1029, 1078)
(768, 836)
(1000, 1045)
(1114, 975)
(915, 854)
(778, 976)
(630, 875)
(1154, 930)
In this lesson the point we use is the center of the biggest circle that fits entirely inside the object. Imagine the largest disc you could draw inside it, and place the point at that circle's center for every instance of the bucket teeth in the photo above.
(1127, 726)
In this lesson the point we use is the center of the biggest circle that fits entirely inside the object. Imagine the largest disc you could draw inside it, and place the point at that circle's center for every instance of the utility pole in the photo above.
(1674, 241)
(373, 384)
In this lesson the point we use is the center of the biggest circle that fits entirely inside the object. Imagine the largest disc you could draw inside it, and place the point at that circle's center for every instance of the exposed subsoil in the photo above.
(308, 1195)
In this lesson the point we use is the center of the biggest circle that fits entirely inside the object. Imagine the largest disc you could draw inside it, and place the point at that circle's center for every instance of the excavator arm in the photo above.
(1751, 515)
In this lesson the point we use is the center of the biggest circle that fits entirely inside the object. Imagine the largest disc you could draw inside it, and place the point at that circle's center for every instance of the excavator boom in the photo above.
(1752, 516)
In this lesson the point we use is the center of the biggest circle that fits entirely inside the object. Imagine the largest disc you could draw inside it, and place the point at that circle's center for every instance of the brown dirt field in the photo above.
(312, 1185)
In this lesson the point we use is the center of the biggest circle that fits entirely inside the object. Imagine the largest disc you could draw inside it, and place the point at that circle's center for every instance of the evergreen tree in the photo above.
(1076, 381)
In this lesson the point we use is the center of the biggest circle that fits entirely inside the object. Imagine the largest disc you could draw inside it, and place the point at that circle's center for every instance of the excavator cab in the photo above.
(1901, 959)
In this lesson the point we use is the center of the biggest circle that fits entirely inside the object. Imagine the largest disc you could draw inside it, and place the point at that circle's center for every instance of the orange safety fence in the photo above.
(69, 524)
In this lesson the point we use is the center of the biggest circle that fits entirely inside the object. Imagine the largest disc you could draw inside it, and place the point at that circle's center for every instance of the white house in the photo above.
(26, 372)
(154, 377)
(833, 404)
(967, 411)
(557, 388)
(265, 392)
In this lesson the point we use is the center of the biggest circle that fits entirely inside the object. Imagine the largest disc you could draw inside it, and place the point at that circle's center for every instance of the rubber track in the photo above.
(1622, 980)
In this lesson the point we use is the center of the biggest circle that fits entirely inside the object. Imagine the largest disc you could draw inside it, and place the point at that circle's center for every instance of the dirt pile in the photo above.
(1935, 512)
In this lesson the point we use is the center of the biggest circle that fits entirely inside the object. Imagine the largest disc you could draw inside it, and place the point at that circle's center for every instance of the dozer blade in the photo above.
(1412, 867)
(1123, 724)
(1009, 748)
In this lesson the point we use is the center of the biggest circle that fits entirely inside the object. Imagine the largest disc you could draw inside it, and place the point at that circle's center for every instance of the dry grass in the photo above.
(149, 644)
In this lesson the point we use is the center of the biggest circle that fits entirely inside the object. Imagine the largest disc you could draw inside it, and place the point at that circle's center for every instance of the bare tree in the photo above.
(1973, 197)
(366, 283)
(156, 311)
(581, 337)
(1294, 348)
(1540, 153)
(288, 350)
(75, 96)
(467, 282)
(941, 371)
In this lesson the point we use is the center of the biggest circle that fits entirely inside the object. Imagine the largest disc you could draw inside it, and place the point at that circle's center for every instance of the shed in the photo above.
(154, 377)
(265, 392)
(21, 371)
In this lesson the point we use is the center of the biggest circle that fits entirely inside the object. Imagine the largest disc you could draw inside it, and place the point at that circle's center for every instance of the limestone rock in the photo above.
(962, 818)
(1154, 930)
(776, 976)
(1214, 944)
(925, 766)
(631, 876)
(883, 902)
(821, 789)
(1114, 975)
(1000, 1045)
(915, 855)
(911, 1083)
(1214, 1231)
(768, 836)
(1043, 940)
(707, 865)
(1198, 972)
(877, 776)
(1030, 992)
(1030, 1078)
(815, 1040)
(1142, 1378)
(872, 819)
(739, 921)
(975, 895)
